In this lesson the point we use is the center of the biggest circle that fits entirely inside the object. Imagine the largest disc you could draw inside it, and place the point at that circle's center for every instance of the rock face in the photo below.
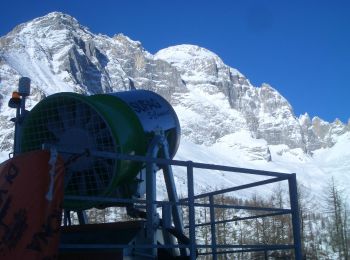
(262, 111)
(64, 54)
(213, 100)
(319, 133)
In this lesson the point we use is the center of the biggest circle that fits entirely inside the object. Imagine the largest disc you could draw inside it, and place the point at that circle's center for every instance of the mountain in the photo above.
(224, 118)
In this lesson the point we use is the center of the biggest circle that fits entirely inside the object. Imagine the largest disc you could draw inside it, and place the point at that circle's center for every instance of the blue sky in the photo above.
(299, 47)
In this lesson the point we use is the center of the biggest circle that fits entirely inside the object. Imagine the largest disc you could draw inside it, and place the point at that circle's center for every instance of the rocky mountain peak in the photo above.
(56, 18)
(43, 27)
(213, 99)
(305, 120)
(180, 55)
(196, 63)
(337, 121)
(125, 40)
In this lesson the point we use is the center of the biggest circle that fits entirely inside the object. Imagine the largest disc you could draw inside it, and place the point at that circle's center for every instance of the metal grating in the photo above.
(71, 124)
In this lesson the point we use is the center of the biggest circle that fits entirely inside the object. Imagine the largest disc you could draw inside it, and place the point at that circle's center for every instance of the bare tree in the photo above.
(336, 207)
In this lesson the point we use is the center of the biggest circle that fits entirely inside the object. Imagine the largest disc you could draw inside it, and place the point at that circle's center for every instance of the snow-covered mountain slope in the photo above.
(224, 118)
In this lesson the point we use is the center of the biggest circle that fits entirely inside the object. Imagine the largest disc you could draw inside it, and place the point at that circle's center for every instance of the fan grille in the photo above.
(73, 125)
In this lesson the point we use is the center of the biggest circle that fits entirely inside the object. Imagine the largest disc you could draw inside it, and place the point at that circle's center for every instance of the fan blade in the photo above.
(98, 181)
(54, 128)
(82, 115)
(67, 117)
(82, 184)
(67, 178)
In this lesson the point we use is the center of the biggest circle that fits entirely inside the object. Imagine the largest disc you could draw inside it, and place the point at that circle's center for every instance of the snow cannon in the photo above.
(80, 127)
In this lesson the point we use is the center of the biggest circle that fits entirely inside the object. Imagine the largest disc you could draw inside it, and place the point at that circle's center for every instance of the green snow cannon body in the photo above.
(122, 122)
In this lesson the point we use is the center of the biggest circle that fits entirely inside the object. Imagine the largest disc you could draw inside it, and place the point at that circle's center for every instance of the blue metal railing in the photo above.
(190, 202)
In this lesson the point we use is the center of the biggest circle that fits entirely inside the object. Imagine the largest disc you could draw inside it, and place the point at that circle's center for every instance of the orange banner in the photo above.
(31, 198)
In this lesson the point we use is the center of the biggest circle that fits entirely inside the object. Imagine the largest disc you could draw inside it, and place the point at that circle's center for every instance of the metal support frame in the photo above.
(82, 217)
(67, 221)
(212, 227)
(191, 211)
(159, 147)
(151, 204)
(171, 190)
(17, 138)
(67, 218)
(151, 196)
(293, 194)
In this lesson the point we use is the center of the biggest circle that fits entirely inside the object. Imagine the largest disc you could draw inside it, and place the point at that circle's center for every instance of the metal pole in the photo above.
(171, 190)
(82, 218)
(192, 230)
(172, 194)
(293, 194)
(24, 91)
(151, 196)
(67, 219)
(166, 225)
(151, 207)
(212, 225)
(16, 147)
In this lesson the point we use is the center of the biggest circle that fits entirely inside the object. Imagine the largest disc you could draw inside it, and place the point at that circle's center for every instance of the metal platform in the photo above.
(153, 243)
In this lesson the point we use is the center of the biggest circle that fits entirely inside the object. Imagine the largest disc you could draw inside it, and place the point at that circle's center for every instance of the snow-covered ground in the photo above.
(313, 172)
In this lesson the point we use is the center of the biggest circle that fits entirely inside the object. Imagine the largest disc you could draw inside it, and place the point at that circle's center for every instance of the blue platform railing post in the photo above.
(82, 217)
(212, 227)
(151, 208)
(293, 194)
(192, 231)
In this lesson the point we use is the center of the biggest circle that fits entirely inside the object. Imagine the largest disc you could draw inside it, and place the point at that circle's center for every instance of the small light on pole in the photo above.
(18, 101)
